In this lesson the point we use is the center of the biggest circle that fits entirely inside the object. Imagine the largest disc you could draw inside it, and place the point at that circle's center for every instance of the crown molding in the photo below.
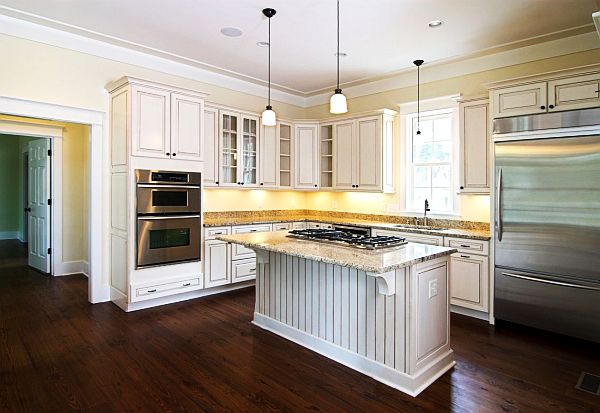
(17, 27)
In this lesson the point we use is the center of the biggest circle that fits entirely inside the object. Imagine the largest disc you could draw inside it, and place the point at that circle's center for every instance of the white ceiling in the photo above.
(380, 36)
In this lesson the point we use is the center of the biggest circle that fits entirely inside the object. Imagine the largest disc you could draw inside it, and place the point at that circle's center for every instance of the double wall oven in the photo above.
(168, 217)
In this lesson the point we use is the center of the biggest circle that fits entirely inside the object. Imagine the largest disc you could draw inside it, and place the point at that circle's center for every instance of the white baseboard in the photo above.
(9, 234)
(72, 267)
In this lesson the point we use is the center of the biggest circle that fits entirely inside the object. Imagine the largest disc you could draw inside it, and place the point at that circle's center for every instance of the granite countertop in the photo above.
(374, 261)
(452, 232)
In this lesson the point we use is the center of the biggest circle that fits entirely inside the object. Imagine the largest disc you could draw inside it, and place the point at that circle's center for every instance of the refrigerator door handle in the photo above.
(499, 205)
(564, 284)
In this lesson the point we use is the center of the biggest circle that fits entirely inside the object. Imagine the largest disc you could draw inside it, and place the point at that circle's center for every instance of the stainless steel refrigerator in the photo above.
(547, 222)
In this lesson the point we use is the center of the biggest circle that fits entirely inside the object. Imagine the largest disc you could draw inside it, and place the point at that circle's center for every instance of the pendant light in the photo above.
(418, 63)
(268, 116)
(338, 103)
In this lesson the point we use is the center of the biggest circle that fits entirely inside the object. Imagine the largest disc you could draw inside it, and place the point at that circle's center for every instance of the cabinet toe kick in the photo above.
(386, 282)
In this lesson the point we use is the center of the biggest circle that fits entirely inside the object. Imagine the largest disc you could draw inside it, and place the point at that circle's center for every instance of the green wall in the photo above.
(9, 183)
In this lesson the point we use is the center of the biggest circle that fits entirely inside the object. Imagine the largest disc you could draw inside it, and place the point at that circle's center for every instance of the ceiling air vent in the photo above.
(596, 18)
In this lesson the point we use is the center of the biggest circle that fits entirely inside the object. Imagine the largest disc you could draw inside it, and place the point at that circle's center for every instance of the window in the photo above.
(429, 162)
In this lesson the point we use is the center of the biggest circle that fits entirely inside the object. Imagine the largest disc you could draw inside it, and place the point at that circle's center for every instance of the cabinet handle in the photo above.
(542, 107)
(217, 233)
(550, 106)
(465, 256)
(252, 269)
(253, 230)
(152, 291)
(187, 284)
(465, 246)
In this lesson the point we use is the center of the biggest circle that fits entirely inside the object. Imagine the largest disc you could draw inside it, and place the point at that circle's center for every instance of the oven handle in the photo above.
(153, 186)
(154, 218)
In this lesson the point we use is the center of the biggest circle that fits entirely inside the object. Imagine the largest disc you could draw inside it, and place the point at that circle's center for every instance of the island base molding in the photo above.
(398, 335)
(411, 385)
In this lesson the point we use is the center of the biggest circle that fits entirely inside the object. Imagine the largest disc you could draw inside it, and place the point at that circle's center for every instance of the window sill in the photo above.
(431, 214)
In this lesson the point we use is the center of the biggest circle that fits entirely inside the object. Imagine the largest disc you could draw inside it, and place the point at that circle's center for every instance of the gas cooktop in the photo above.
(346, 238)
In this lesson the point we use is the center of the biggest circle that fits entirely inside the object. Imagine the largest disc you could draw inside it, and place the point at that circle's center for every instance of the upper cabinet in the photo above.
(363, 154)
(474, 151)
(306, 156)
(285, 132)
(210, 174)
(166, 122)
(238, 147)
(269, 154)
(566, 90)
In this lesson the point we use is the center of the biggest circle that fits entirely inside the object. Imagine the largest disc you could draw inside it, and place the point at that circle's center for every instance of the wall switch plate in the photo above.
(433, 288)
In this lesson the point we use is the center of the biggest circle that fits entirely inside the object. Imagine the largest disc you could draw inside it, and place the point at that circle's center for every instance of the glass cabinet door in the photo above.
(250, 150)
(229, 149)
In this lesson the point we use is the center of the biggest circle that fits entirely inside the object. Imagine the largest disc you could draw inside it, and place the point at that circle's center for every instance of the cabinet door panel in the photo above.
(469, 281)
(210, 174)
(306, 157)
(343, 155)
(269, 155)
(187, 116)
(474, 147)
(230, 155)
(520, 100)
(243, 270)
(368, 154)
(150, 122)
(217, 263)
(574, 93)
(249, 146)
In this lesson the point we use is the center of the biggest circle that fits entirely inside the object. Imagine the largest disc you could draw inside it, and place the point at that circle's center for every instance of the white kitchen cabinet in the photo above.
(280, 226)
(150, 121)
(210, 174)
(217, 263)
(299, 225)
(243, 270)
(239, 251)
(318, 225)
(577, 92)
(469, 281)
(306, 156)
(519, 100)
(474, 150)
(238, 147)
(326, 137)
(269, 156)
(187, 118)
(363, 154)
(285, 147)
(412, 236)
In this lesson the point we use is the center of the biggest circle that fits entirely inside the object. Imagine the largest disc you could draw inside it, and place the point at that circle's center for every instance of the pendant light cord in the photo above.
(418, 100)
(338, 44)
(269, 61)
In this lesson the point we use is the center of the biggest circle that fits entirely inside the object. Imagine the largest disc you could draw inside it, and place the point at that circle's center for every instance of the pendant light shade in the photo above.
(338, 103)
(268, 116)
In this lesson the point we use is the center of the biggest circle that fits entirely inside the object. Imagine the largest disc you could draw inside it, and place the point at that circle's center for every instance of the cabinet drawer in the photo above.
(160, 290)
(469, 281)
(282, 225)
(468, 246)
(212, 233)
(299, 225)
(322, 225)
(412, 236)
(239, 251)
(243, 270)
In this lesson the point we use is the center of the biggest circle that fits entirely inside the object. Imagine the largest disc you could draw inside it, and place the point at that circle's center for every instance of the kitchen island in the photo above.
(384, 312)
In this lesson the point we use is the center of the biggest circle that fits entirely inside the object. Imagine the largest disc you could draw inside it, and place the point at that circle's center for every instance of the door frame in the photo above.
(98, 278)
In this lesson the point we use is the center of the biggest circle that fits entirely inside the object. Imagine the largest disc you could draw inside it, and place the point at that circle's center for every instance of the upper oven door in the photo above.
(167, 199)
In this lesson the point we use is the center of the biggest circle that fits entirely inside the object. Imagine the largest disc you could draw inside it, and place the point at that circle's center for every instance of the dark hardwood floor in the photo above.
(58, 353)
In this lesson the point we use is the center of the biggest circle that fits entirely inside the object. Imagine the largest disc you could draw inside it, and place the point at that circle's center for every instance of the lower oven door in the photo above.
(167, 239)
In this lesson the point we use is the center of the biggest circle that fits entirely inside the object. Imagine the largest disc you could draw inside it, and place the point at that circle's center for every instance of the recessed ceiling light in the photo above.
(231, 31)
(341, 54)
(262, 44)
(435, 23)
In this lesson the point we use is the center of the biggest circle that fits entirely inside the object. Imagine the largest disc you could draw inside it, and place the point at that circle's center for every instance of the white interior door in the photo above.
(39, 209)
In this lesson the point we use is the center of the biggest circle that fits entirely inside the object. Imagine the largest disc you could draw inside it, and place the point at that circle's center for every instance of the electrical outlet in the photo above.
(433, 288)
(334, 204)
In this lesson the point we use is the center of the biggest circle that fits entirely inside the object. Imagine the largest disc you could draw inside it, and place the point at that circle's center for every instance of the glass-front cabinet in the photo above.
(238, 147)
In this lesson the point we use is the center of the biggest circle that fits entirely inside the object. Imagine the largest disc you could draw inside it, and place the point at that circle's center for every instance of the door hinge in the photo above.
(49, 251)
(49, 202)
(49, 152)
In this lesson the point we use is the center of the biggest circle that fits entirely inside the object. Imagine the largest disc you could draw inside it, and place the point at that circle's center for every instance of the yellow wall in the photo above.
(252, 200)
(74, 186)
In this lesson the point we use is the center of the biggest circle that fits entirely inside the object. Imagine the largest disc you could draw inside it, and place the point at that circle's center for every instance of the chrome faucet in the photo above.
(425, 212)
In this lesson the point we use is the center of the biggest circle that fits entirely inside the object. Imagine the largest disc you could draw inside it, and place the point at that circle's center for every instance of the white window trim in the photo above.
(408, 114)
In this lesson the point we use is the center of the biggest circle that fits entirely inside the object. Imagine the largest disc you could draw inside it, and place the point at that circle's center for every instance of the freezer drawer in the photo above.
(561, 305)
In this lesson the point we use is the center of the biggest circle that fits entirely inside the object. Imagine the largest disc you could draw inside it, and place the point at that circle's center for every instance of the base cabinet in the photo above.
(217, 256)
(469, 281)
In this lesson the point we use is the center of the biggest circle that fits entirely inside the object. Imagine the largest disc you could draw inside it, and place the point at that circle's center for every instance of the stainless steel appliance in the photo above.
(168, 217)
(547, 222)
(350, 239)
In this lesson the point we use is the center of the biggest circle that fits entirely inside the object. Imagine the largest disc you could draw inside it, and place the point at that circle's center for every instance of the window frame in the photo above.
(408, 167)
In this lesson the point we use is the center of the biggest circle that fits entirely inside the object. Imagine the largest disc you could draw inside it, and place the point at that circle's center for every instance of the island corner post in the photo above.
(393, 326)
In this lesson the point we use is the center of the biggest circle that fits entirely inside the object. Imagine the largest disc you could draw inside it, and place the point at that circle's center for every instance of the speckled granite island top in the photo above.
(375, 261)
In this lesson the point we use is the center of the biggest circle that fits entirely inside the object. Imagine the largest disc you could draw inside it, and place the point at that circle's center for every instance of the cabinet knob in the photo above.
(542, 107)
(173, 154)
(242, 183)
(217, 182)
(462, 187)
(168, 154)
(316, 185)
(262, 183)
(550, 106)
